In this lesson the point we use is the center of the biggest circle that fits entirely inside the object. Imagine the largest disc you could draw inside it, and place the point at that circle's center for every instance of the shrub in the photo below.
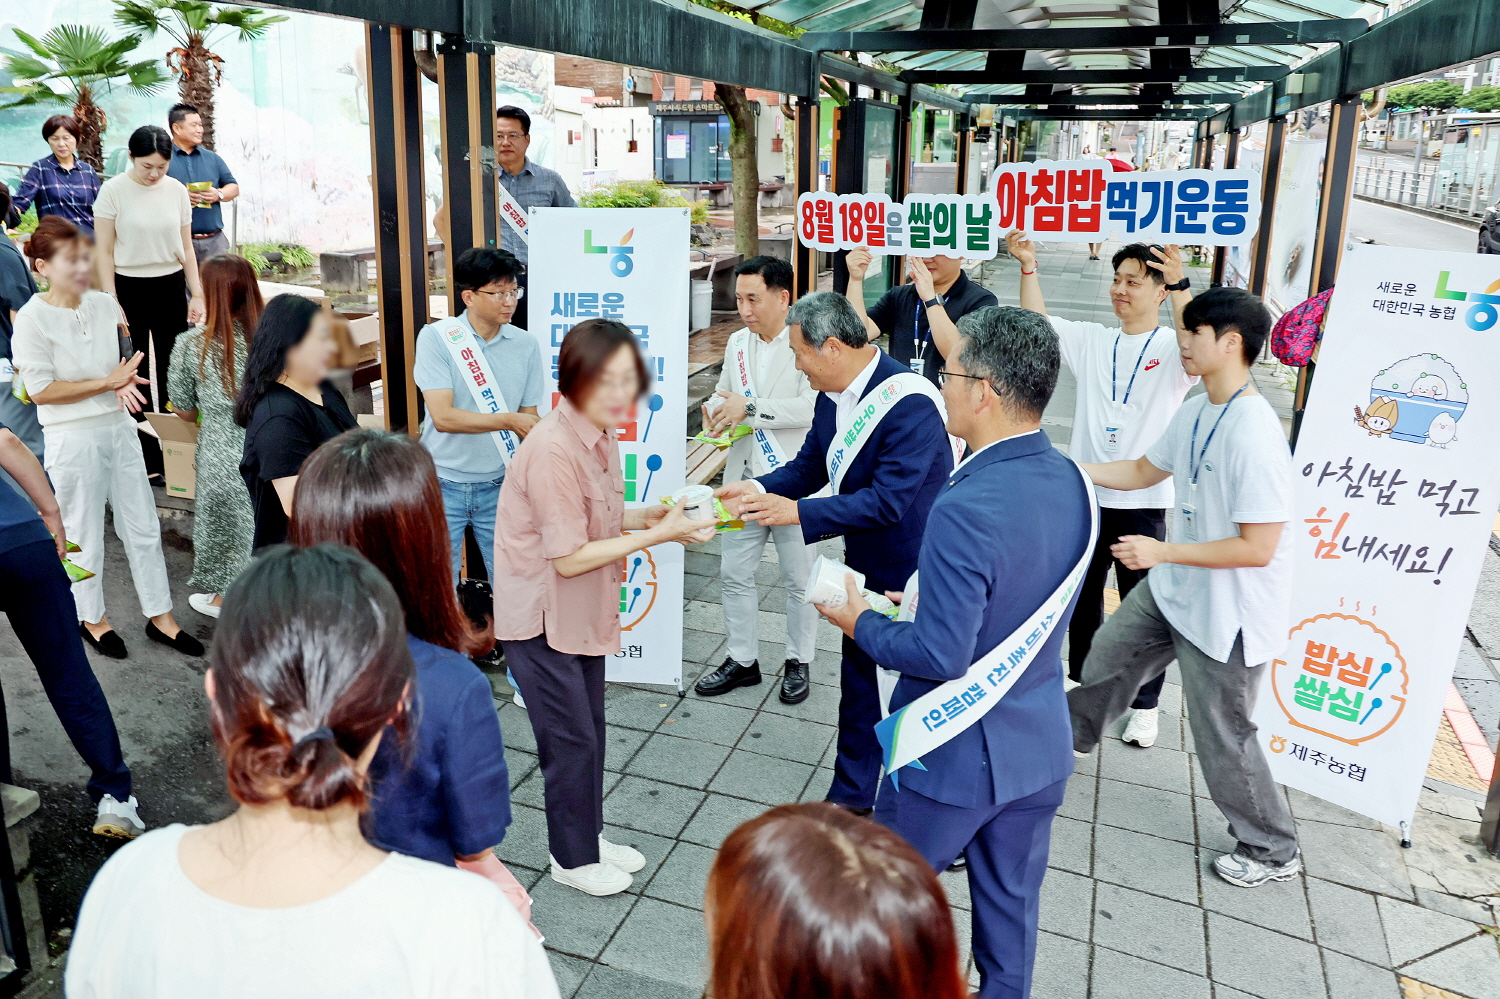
(641, 194)
(293, 255)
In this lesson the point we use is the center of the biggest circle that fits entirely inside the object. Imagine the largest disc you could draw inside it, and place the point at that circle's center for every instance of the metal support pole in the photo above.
(1231, 159)
(805, 258)
(466, 102)
(965, 139)
(400, 210)
(847, 169)
(1270, 176)
(1489, 825)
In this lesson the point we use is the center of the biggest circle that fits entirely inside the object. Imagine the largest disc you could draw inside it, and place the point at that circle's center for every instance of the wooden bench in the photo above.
(704, 461)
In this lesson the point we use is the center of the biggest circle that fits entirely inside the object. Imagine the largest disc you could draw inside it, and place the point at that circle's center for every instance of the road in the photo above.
(1398, 227)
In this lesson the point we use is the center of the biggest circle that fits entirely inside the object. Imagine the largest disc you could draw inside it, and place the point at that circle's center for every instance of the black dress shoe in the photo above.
(960, 863)
(107, 644)
(794, 685)
(182, 642)
(727, 677)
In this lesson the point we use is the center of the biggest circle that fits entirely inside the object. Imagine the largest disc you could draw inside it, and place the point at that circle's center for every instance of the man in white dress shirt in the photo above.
(762, 388)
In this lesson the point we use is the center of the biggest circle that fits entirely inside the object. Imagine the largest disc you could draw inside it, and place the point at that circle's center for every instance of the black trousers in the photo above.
(1089, 612)
(565, 699)
(35, 594)
(157, 310)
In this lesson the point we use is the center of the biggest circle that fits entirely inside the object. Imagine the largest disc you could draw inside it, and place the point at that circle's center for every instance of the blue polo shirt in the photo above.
(515, 359)
(199, 165)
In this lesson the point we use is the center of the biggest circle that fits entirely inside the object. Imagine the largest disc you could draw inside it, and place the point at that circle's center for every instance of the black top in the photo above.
(903, 321)
(284, 429)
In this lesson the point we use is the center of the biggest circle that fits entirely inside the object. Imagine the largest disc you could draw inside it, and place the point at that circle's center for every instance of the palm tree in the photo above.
(191, 24)
(69, 65)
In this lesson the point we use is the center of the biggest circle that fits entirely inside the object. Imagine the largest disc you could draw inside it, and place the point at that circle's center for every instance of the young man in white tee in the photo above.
(1130, 384)
(1218, 598)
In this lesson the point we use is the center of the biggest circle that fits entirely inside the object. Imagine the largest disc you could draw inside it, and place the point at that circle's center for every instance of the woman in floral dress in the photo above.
(208, 364)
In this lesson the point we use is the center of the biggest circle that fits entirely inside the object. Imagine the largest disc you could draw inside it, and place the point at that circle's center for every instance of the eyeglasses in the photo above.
(514, 295)
(944, 374)
(510, 136)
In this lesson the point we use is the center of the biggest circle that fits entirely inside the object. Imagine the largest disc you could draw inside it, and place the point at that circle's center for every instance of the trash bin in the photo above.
(701, 309)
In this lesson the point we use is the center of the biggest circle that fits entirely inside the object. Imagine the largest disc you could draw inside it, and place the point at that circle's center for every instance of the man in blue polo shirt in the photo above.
(481, 379)
(193, 164)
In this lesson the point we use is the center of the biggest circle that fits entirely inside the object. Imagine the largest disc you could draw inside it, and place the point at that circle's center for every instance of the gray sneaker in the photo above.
(118, 819)
(1247, 873)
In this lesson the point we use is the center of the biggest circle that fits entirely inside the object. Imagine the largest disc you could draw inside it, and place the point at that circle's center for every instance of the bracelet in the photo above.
(1028, 273)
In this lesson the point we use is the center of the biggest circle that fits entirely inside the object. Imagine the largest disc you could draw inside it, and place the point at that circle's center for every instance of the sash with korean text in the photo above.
(851, 437)
(768, 456)
(467, 350)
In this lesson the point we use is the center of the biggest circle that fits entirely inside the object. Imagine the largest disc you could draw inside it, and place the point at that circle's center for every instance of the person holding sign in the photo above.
(1130, 383)
(1218, 598)
(917, 318)
(762, 387)
(1006, 546)
(877, 439)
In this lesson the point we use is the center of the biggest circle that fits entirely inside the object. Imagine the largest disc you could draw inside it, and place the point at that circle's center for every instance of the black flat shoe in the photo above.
(794, 683)
(107, 644)
(726, 678)
(183, 642)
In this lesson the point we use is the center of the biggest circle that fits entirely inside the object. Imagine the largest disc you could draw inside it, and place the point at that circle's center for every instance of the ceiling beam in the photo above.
(951, 14)
(1144, 114)
(1105, 99)
(1101, 77)
(1134, 37)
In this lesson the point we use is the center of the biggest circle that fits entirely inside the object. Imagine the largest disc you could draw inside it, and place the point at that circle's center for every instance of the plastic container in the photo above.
(701, 308)
(697, 502)
(826, 585)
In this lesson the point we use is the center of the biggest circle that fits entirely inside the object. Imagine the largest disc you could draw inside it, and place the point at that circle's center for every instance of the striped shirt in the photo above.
(68, 193)
(534, 187)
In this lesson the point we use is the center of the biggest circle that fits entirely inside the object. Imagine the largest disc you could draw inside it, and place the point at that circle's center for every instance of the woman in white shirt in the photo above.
(143, 224)
(67, 355)
(285, 897)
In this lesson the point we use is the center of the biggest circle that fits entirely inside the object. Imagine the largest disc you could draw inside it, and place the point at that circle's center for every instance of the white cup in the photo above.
(826, 584)
(697, 502)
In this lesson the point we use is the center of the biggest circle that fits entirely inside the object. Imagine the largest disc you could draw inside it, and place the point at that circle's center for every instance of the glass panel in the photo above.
(882, 136)
(1251, 156)
(1294, 227)
(944, 143)
(674, 142)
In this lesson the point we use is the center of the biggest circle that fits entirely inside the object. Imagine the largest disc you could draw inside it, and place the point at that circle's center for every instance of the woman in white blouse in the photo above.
(67, 356)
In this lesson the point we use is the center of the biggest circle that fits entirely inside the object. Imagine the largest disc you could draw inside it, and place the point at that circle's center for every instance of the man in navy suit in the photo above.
(1008, 536)
(877, 436)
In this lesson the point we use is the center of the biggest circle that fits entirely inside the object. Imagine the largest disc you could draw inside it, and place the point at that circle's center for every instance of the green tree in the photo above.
(192, 25)
(1482, 99)
(71, 65)
(1433, 96)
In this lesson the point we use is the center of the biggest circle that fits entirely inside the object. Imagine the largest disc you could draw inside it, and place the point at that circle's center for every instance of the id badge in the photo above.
(1190, 514)
(919, 365)
(1114, 427)
(7, 371)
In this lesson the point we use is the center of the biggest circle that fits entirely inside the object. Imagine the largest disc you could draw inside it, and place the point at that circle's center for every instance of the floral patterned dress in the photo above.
(223, 524)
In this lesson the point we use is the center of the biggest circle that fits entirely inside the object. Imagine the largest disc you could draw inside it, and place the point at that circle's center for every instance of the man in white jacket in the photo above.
(762, 388)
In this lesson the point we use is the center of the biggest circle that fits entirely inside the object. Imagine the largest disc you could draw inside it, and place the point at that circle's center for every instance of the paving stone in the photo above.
(1347, 921)
(526, 840)
(515, 726)
(519, 763)
(569, 972)
(1072, 846)
(761, 778)
(615, 983)
(1280, 905)
(651, 806)
(707, 721)
(682, 878)
(1150, 928)
(1166, 769)
(1262, 962)
(822, 704)
(1412, 931)
(635, 708)
(1078, 802)
(787, 738)
(718, 817)
(574, 922)
(1213, 829)
(1121, 976)
(1463, 908)
(1472, 968)
(1146, 809)
(652, 847)
(699, 562)
(678, 761)
(830, 639)
(1305, 806)
(963, 932)
(1359, 858)
(700, 646)
(750, 697)
(620, 744)
(1146, 863)
(1351, 979)
(662, 941)
(530, 791)
(817, 787)
(956, 887)
(1067, 903)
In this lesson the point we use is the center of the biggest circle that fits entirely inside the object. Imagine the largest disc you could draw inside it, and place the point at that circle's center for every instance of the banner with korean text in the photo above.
(1395, 491)
(628, 264)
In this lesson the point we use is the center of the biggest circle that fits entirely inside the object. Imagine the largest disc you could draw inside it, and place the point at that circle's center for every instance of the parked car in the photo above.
(1489, 230)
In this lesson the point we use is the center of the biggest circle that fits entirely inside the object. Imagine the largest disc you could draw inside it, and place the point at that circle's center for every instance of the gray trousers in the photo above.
(1137, 644)
(740, 556)
(212, 246)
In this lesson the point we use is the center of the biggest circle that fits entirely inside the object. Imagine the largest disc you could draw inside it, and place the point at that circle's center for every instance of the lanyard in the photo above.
(919, 342)
(1194, 467)
(1114, 360)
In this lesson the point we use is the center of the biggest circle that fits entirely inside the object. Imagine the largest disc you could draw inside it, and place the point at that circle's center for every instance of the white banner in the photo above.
(925, 225)
(627, 264)
(1394, 500)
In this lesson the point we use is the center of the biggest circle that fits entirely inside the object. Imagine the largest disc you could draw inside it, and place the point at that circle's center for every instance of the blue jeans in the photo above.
(466, 504)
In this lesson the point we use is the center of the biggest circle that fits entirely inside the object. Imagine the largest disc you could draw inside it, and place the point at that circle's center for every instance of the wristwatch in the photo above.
(1182, 285)
(931, 302)
(749, 409)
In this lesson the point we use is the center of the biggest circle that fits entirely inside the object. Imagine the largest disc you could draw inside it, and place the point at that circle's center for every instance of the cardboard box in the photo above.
(179, 449)
(366, 332)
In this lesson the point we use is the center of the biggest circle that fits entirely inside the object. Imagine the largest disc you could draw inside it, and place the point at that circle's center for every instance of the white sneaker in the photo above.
(203, 604)
(1141, 729)
(520, 701)
(625, 858)
(595, 879)
(118, 819)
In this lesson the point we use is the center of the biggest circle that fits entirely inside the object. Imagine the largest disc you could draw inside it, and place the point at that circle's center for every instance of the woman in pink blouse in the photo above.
(558, 563)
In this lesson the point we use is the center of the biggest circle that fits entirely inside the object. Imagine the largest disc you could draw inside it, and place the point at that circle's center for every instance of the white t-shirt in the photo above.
(1152, 359)
(69, 345)
(408, 928)
(1245, 477)
(148, 224)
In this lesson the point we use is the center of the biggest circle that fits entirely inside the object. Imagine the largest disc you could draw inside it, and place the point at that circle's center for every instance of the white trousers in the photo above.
(741, 552)
(90, 467)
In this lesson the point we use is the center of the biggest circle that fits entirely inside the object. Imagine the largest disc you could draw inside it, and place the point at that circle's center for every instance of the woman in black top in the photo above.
(287, 407)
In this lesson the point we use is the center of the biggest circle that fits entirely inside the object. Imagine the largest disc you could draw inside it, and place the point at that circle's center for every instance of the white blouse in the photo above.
(51, 344)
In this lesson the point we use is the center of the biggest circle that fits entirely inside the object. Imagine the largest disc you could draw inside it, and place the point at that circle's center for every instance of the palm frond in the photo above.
(24, 67)
(146, 77)
(248, 21)
(33, 43)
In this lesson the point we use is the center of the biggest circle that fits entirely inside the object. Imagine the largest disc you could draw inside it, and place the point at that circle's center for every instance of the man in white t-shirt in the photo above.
(1218, 598)
(1130, 384)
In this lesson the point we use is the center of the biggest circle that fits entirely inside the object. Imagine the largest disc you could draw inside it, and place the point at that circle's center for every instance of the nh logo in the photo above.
(620, 262)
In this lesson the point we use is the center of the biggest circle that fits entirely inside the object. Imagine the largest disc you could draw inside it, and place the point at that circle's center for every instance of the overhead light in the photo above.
(1242, 39)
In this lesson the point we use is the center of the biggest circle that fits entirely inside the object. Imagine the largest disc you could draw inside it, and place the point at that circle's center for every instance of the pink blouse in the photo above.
(562, 490)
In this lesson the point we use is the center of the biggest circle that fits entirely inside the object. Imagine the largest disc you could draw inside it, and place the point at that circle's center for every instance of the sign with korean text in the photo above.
(924, 225)
(1395, 493)
(626, 264)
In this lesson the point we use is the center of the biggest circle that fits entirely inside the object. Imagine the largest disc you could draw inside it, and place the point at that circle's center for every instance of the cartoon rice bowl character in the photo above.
(1380, 417)
(1442, 431)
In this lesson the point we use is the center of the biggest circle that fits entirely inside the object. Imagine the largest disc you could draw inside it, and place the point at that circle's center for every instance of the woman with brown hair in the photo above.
(447, 798)
(559, 548)
(813, 902)
(203, 379)
(285, 897)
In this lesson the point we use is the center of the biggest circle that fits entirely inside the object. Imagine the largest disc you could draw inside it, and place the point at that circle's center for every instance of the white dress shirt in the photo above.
(763, 358)
(844, 402)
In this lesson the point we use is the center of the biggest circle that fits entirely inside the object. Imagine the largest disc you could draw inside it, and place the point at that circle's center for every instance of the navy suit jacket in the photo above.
(1003, 535)
(884, 498)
